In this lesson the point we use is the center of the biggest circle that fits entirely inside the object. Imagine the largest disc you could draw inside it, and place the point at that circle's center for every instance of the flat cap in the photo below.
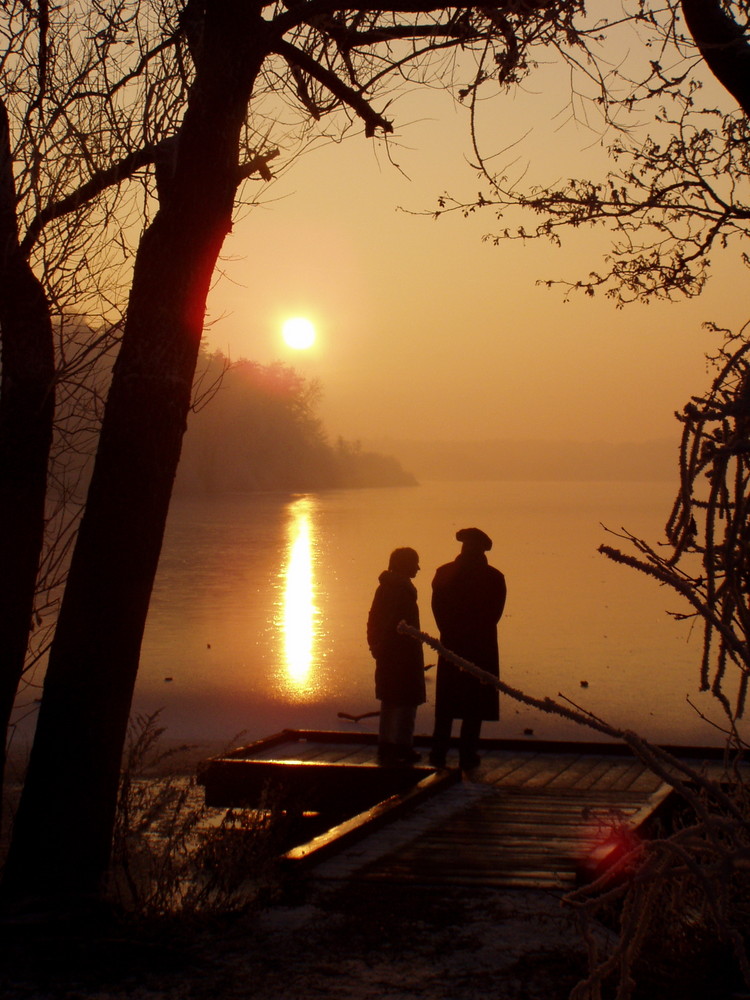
(474, 538)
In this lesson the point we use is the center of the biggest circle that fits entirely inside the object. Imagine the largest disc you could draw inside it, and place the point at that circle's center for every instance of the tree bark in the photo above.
(26, 419)
(723, 45)
(62, 835)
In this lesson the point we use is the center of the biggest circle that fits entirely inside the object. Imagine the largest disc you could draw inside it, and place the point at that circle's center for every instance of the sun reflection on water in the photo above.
(299, 611)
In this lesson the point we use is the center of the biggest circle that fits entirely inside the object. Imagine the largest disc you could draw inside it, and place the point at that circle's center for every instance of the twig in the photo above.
(357, 718)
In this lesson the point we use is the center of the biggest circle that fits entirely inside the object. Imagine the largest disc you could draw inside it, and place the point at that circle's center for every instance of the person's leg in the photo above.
(395, 733)
(404, 719)
(441, 738)
(471, 727)
(387, 732)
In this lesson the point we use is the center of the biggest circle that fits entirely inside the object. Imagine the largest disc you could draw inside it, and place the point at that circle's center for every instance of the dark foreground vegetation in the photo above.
(198, 906)
(349, 945)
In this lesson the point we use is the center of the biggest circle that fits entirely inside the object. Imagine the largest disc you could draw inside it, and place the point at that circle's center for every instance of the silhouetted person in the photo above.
(468, 597)
(399, 660)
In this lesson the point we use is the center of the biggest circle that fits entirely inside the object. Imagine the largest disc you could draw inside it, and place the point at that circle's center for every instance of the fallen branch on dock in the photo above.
(688, 886)
(656, 758)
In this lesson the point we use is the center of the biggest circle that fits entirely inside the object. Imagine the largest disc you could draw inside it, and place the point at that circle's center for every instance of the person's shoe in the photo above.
(403, 754)
(388, 754)
(470, 761)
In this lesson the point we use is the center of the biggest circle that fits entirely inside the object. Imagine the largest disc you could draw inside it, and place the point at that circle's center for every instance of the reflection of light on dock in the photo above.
(299, 605)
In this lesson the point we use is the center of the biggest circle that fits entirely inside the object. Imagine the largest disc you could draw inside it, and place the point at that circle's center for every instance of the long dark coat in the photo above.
(468, 597)
(399, 659)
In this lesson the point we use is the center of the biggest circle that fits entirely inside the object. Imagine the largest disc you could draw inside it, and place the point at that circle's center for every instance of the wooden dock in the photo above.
(539, 820)
(533, 814)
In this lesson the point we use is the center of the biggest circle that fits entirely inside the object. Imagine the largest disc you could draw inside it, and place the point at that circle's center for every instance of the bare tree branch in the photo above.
(353, 98)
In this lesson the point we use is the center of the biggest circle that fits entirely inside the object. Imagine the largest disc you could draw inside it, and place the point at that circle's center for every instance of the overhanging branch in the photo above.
(102, 180)
(121, 171)
(353, 98)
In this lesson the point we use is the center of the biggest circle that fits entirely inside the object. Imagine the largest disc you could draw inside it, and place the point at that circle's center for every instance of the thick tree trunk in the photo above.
(26, 416)
(723, 45)
(62, 835)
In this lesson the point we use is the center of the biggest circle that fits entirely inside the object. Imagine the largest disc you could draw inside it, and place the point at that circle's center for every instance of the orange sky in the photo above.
(424, 331)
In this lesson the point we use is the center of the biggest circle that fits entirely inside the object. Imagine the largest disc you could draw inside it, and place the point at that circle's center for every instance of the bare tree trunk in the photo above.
(62, 835)
(26, 417)
(723, 44)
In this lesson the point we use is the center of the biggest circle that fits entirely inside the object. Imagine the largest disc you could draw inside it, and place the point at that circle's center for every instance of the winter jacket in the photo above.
(399, 660)
(468, 597)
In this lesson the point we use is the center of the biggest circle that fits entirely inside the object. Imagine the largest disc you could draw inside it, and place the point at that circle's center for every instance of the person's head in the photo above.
(404, 562)
(474, 540)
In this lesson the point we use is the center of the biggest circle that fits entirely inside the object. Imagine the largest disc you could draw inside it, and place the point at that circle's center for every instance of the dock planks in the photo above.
(533, 822)
(534, 814)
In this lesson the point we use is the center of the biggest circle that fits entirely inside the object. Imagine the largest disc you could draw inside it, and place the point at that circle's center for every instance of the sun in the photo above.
(298, 333)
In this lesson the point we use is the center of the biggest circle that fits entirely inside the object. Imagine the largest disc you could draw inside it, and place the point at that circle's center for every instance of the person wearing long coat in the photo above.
(468, 598)
(399, 659)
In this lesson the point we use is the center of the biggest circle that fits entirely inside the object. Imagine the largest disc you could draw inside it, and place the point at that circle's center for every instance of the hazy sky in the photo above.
(424, 331)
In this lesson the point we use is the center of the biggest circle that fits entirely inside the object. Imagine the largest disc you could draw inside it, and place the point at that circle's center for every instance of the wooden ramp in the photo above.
(535, 813)
(523, 819)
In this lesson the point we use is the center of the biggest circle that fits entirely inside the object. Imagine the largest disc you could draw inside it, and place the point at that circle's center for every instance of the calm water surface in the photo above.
(259, 610)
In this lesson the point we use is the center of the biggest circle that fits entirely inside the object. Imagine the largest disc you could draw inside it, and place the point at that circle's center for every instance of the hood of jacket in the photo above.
(397, 582)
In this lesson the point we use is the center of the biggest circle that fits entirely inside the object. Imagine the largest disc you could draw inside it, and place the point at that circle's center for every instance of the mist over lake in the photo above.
(258, 615)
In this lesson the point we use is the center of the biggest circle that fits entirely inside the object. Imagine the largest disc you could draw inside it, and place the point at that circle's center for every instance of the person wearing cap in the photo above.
(468, 598)
(399, 659)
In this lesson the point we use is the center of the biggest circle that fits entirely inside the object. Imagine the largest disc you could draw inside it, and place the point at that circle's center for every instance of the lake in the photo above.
(259, 609)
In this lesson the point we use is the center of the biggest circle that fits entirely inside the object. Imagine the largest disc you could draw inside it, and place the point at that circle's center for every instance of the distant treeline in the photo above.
(254, 427)
(535, 461)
